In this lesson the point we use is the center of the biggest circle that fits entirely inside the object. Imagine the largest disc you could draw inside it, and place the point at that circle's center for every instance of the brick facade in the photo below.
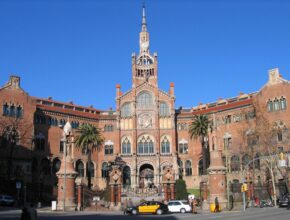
(145, 129)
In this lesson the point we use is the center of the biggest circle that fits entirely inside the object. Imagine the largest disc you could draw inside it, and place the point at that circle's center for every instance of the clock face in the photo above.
(145, 45)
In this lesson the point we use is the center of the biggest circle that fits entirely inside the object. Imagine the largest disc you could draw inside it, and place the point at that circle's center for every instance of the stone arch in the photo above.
(164, 164)
(145, 162)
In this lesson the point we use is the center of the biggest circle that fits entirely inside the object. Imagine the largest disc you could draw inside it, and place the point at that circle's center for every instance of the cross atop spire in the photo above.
(144, 24)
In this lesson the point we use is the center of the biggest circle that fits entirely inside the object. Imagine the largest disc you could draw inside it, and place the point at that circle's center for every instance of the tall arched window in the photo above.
(56, 165)
(163, 109)
(105, 170)
(80, 168)
(235, 163)
(165, 146)
(19, 112)
(12, 110)
(144, 99)
(200, 167)
(126, 110)
(276, 105)
(126, 176)
(188, 168)
(39, 142)
(5, 109)
(257, 161)
(270, 106)
(145, 145)
(283, 103)
(109, 148)
(126, 146)
(90, 169)
(245, 161)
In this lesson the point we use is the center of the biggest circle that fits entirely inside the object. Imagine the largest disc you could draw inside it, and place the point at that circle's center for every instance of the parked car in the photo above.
(179, 206)
(6, 200)
(283, 201)
(148, 207)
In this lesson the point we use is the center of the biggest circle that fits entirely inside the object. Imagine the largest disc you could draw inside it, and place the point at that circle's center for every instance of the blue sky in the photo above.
(78, 50)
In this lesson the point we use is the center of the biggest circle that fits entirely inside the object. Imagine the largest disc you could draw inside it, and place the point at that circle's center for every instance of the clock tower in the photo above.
(144, 65)
(145, 120)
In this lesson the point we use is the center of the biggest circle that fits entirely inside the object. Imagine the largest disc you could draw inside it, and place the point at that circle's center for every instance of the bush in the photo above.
(181, 192)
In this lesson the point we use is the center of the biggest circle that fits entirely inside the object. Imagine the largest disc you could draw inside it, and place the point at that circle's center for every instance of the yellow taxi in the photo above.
(148, 207)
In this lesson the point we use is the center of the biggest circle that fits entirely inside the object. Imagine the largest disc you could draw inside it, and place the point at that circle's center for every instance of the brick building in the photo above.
(145, 130)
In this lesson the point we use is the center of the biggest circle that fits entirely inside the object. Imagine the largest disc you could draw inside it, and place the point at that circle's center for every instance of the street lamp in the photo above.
(67, 129)
(227, 138)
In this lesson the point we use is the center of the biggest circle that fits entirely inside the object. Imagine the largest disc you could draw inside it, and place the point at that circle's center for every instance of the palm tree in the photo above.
(199, 129)
(89, 139)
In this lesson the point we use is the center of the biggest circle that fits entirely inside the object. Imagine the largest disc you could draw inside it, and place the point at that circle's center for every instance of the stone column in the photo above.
(217, 180)
(66, 185)
(80, 193)
(172, 190)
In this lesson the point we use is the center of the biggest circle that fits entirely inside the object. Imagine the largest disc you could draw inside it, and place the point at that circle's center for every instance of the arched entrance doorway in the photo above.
(126, 177)
(146, 177)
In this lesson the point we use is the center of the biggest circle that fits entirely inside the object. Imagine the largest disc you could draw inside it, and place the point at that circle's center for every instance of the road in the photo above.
(250, 214)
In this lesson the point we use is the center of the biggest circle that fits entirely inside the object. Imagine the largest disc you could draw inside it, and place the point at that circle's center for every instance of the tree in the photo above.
(14, 132)
(89, 138)
(181, 192)
(263, 140)
(198, 129)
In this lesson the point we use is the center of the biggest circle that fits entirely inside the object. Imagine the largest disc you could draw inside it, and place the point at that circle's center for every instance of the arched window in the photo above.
(188, 168)
(126, 176)
(235, 163)
(145, 145)
(126, 110)
(200, 167)
(109, 147)
(276, 105)
(270, 106)
(144, 99)
(126, 146)
(279, 135)
(80, 168)
(49, 121)
(283, 103)
(183, 147)
(5, 110)
(105, 170)
(90, 169)
(12, 111)
(39, 142)
(19, 112)
(236, 186)
(56, 165)
(165, 146)
(245, 161)
(180, 168)
(163, 109)
(257, 161)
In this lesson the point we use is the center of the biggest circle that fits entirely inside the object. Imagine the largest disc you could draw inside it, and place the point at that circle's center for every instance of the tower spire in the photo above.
(144, 24)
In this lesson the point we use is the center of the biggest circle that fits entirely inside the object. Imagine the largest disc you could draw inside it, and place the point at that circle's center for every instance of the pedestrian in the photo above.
(33, 213)
(25, 215)
(194, 203)
(217, 206)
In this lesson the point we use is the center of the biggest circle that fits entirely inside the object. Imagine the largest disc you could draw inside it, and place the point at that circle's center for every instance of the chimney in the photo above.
(118, 90)
(171, 90)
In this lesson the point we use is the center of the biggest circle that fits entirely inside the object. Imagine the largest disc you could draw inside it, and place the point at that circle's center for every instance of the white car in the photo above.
(178, 206)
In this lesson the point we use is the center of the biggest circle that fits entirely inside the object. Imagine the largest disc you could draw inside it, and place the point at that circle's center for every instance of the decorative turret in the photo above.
(144, 65)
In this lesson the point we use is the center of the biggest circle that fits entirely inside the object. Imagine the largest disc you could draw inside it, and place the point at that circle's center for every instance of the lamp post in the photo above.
(227, 140)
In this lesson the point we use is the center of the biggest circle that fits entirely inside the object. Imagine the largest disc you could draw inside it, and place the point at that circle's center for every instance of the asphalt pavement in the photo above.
(271, 213)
